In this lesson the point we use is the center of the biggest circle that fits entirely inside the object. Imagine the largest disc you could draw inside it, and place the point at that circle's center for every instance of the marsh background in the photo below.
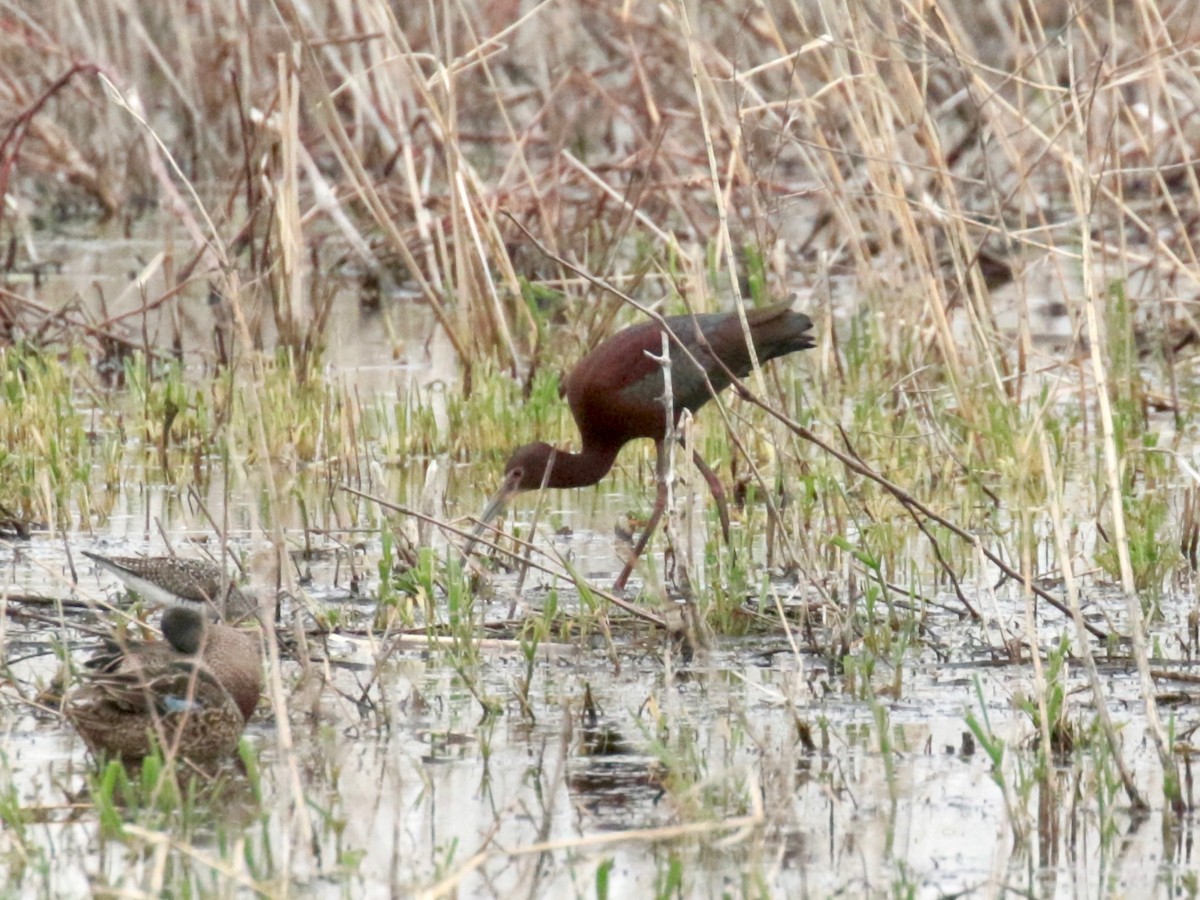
(262, 260)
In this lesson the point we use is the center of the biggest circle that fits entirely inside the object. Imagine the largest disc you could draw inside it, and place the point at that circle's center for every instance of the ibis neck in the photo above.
(568, 470)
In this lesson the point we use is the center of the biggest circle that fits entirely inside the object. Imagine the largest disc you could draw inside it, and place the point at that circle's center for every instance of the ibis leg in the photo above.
(718, 492)
(660, 505)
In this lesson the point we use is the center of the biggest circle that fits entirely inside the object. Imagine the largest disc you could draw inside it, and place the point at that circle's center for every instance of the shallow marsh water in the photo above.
(385, 776)
(713, 785)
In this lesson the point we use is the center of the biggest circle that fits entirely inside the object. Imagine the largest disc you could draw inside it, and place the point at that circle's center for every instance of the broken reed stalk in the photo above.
(1076, 615)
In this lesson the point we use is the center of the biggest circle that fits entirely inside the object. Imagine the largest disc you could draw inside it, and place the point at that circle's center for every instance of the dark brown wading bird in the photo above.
(616, 395)
(191, 693)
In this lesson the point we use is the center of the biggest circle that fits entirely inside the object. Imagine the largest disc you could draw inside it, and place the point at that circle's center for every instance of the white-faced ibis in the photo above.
(616, 395)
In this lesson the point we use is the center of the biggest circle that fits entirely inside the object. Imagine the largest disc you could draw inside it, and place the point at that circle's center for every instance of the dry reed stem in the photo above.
(740, 826)
(276, 690)
(219, 865)
(1081, 630)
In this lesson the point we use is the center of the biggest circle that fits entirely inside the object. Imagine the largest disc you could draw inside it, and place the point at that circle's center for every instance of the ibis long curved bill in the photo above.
(497, 502)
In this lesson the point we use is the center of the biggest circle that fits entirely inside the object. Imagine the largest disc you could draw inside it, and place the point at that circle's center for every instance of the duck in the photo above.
(189, 694)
